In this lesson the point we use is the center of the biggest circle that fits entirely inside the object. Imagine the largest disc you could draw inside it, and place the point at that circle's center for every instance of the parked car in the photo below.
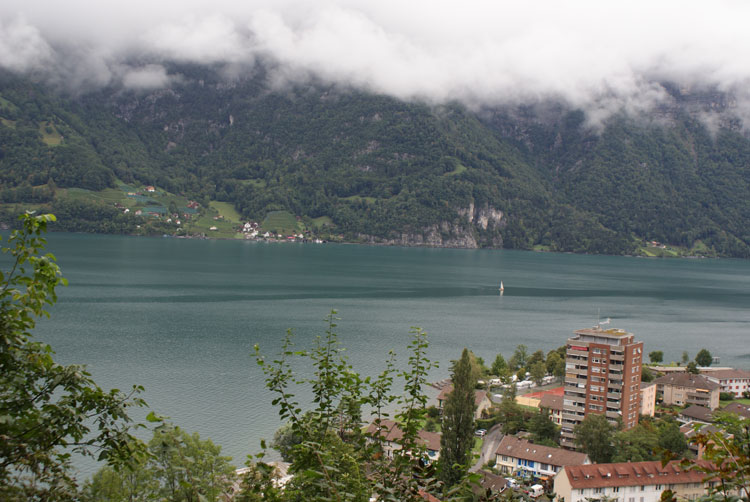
(480, 432)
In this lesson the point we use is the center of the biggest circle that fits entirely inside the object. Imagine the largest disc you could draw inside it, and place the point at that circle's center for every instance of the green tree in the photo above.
(671, 438)
(285, 439)
(181, 468)
(499, 366)
(48, 410)
(635, 445)
(703, 358)
(519, 358)
(538, 371)
(458, 423)
(646, 374)
(543, 430)
(693, 368)
(536, 357)
(509, 413)
(594, 436)
(335, 460)
(656, 356)
(685, 357)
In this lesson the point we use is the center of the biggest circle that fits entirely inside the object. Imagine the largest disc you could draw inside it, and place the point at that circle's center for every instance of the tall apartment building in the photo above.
(602, 375)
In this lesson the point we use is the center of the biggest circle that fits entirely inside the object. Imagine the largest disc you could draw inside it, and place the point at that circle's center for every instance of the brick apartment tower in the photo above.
(602, 375)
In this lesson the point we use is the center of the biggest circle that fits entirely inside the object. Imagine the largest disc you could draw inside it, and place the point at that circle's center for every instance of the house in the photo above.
(693, 429)
(514, 454)
(554, 404)
(490, 484)
(481, 400)
(696, 413)
(150, 189)
(627, 482)
(730, 380)
(392, 434)
(686, 388)
(740, 409)
(648, 399)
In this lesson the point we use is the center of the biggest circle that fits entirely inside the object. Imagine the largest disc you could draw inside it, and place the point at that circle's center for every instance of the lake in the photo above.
(180, 317)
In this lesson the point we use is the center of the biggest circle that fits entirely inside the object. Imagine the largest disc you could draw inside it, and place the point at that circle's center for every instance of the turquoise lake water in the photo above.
(180, 317)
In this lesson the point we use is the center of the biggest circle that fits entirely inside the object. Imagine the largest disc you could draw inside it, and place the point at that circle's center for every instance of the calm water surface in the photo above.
(180, 317)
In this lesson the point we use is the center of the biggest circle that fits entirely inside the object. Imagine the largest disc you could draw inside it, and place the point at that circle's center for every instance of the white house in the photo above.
(514, 454)
(734, 381)
(628, 482)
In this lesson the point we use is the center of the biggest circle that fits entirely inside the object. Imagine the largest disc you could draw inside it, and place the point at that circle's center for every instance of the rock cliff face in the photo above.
(476, 227)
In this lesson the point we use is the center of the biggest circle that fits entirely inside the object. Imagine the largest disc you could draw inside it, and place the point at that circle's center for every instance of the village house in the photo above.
(730, 380)
(514, 454)
(481, 400)
(693, 429)
(682, 389)
(392, 436)
(554, 404)
(696, 413)
(150, 189)
(648, 399)
(740, 409)
(627, 482)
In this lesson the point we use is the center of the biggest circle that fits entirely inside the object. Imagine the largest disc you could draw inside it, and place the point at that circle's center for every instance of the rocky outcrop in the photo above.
(484, 217)
(476, 227)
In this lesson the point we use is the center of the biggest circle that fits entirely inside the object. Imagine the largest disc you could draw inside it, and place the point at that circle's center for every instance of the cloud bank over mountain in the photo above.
(603, 57)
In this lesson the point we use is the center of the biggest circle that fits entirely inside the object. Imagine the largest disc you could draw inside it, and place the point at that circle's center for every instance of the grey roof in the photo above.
(696, 412)
(520, 448)
(687, 380)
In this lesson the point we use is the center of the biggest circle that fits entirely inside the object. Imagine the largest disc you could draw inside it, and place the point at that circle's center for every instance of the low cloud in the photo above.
(603, 57)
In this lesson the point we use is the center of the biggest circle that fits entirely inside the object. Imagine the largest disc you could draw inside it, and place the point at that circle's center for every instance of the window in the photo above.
(599, 490)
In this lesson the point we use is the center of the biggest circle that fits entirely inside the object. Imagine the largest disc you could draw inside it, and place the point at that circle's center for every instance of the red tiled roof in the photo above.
(520, 448)
(630, 474)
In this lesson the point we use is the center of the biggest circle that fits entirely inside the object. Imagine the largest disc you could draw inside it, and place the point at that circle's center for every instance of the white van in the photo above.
(536, 491)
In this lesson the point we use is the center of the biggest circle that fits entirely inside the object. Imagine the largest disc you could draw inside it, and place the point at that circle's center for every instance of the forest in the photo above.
(380, 169)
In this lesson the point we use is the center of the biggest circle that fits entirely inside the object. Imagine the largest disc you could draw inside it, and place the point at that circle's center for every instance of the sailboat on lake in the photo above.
(502, 288)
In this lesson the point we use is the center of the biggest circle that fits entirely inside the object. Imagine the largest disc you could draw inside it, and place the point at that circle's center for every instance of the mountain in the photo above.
(369, 168)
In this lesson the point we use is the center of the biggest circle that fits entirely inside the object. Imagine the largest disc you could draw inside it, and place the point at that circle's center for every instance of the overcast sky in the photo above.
(600, 55)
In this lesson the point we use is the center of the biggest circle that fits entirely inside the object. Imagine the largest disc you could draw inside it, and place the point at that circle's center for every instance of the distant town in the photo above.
(619, 428)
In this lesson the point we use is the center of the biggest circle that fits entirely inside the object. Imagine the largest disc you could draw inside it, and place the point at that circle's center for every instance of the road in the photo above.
(489, 447)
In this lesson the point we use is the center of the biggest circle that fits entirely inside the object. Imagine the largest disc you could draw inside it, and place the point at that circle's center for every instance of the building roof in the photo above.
(512, 446)
(697, 412)
(687, 380)
(492, 481)
(390, 431)
(551, 401)
(646, 385)
(726, 374)
(738, 409)
(479, 395)
(692, 429)
(629, 474)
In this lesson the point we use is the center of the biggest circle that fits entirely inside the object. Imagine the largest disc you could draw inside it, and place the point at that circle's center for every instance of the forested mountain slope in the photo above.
(381, 170)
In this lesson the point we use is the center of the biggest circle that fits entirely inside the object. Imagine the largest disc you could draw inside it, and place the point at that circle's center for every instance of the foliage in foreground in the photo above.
(48, 411)
(335, 459)
(180, 468)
